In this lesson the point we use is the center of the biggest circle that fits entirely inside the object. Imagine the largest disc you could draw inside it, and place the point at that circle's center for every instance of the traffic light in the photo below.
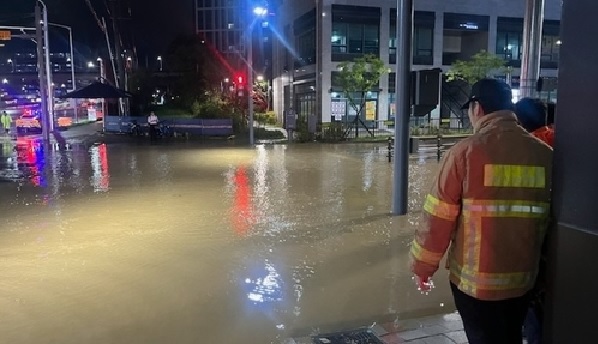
(240, 80)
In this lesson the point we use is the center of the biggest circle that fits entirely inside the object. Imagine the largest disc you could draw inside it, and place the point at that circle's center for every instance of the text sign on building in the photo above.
(339, 109)
(5, 35)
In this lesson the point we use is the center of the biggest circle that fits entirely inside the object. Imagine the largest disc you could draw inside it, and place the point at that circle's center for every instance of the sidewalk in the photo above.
(441, 329)
(86, 134)
(438, 329)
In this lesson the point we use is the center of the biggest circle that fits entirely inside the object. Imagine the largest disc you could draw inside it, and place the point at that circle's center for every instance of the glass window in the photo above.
(550, 48)
(339, 38)
(370, 39)
(305, 45)
(509, 45)
(355, 38)
(423, 45)
(208, 20)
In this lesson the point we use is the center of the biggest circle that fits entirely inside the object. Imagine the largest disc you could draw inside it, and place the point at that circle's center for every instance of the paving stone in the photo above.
(435, 329)
(417, 341)
(458, 337)
(453, 325)
(438, 340)
(414, 334)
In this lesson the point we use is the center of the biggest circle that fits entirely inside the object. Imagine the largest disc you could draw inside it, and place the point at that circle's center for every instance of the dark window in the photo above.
(550, 44)
(355, 31)
(305, 38)
(423, 38)
(464, 35)
(339, 38)
(509, 40)
(200, 25)
(306, 47)
(355, 38)
(371, 39)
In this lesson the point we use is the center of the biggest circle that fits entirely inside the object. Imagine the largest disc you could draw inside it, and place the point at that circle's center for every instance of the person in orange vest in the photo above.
(533, 117)
(490, 203)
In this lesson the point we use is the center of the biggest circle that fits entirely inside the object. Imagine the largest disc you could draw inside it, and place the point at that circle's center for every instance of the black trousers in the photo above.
(153, 131)
(491, 322)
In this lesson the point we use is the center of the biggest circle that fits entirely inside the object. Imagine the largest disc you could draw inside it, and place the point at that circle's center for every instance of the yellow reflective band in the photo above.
(515, 176)
(420, 253)
(505, 208)
(492, 281)
(443, 210)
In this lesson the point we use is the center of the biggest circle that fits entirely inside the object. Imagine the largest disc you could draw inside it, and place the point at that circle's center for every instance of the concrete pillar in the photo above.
(492, 34)
(532, 43)
(573, 252)
(438, 39)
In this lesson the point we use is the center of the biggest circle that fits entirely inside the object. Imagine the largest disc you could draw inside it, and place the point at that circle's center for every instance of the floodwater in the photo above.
(135, 243)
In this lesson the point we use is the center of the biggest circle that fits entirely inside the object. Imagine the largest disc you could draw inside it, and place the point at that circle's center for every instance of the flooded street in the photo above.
(139, 243)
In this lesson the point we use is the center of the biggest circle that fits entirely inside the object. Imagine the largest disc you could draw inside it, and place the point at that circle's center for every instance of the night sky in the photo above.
(155, 23)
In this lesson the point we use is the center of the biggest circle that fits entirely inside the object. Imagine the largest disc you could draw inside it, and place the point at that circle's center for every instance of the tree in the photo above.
(358, 77)
(480, 66)
(197, 69)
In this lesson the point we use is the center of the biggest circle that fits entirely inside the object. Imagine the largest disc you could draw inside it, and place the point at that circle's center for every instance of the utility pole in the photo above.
(41, 72)
(532, 45)
(400, 191)
(49, 70)
(114, 16)
(250, 82)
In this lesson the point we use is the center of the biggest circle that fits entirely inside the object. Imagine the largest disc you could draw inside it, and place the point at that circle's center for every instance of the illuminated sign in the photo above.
(469, 26)
(5, 35)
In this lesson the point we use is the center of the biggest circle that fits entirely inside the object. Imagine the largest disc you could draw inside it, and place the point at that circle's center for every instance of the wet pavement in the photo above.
(180, 243)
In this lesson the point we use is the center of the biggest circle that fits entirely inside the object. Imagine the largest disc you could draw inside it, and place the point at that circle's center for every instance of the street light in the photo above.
(11, 64)
(160, 60)
(90, 64)
(72, 59)
(258, 12)
(101, 63)
(260, 78)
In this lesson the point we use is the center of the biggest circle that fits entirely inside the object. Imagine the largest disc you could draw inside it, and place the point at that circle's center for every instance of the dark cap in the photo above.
(492, 94)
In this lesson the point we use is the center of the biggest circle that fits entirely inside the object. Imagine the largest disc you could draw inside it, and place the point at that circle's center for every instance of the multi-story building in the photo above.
(224, 26)
(324, 33)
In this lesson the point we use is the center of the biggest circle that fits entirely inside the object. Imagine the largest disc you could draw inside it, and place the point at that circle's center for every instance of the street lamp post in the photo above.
(403, 107)
(74, 82)
(102, 72)
(48, 68)
(258, 12)
(102, 78)
(12, 65)
(160, 60)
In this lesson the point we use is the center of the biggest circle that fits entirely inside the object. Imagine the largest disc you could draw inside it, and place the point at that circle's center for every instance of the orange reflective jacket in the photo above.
(545, 134)
(490, 203)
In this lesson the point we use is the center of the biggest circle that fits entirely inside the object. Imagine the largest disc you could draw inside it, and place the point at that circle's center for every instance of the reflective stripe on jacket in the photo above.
(5, 120)
(490, 203)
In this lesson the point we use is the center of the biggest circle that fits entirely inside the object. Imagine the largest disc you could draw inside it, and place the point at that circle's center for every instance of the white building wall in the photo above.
(293, 9)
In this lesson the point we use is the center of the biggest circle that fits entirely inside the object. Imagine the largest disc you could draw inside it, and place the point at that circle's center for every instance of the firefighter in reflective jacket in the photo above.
(538, 119)
(490, 203)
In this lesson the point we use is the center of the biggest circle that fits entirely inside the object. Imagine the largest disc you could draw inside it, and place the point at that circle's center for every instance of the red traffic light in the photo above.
(240, 79)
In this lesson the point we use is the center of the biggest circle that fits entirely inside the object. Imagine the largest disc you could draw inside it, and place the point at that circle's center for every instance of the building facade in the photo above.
(224, 25)
(319, 35)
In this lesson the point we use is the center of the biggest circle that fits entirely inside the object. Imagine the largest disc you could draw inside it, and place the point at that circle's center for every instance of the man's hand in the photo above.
(424, 284)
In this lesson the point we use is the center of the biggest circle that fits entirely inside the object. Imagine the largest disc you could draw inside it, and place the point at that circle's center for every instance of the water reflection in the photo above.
(241, 213)
(100, 179)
